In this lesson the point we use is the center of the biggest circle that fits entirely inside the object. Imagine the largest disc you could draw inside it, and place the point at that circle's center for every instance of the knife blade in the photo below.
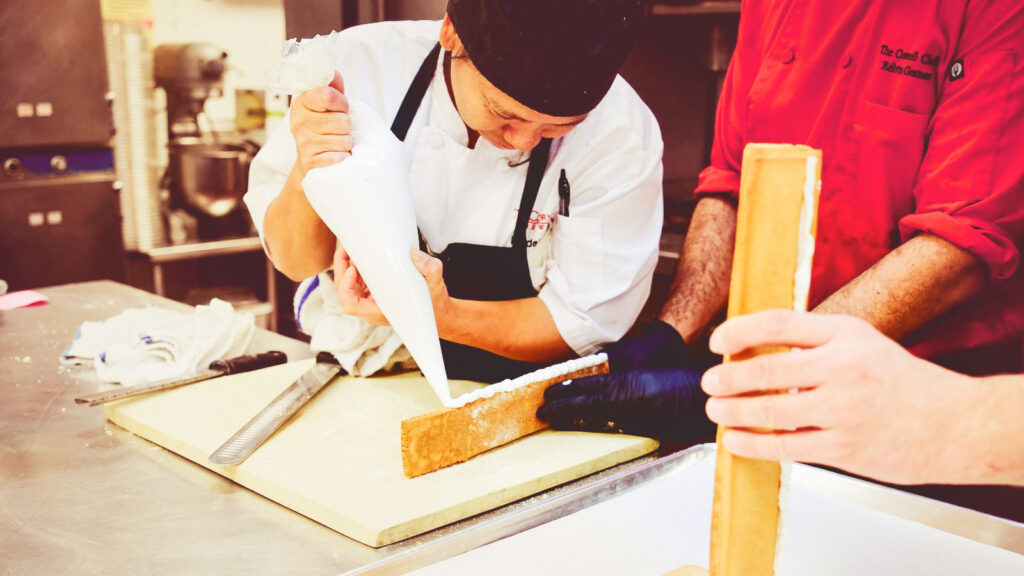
(237, 365)
(263, 425)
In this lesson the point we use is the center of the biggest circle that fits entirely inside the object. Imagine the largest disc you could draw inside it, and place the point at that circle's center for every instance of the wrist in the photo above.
(658, 345)
(293, 197)
(449, 314)
(688, 331)
(670, 335)
(989, 411)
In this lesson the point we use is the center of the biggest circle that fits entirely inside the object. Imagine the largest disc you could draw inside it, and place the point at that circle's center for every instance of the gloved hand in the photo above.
(657, 346)
(666, 404)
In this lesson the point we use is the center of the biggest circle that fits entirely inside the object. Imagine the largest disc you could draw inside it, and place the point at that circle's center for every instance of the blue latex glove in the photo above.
(657, 346)
(666, 404)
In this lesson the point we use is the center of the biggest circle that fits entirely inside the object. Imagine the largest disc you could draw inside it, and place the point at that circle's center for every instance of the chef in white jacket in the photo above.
(535, 173)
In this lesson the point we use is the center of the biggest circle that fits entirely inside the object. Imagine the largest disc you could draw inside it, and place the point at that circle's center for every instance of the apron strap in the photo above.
(534, 174)
(538, 159)
(413, 96)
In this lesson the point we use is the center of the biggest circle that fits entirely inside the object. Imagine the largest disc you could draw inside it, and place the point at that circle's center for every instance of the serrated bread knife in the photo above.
(263, 425)
(217, 368)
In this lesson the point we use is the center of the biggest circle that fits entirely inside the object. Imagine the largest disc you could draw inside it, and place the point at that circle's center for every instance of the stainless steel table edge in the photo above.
(963, 522)
(477, 534)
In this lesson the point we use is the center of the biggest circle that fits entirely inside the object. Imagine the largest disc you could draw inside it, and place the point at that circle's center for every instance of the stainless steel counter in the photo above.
(78, 495)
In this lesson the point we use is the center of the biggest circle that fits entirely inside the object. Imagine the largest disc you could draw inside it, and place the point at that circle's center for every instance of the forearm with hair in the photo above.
(915, 283)
(701, 286)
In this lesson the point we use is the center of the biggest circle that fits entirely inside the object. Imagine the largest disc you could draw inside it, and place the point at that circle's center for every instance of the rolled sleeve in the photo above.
(580, 331)
(987, 242)
(718, 181)
(722, 176)
(603, 259)
(970, 187)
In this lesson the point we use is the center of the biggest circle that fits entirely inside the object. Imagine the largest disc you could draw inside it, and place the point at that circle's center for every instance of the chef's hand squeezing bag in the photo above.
(365, 201)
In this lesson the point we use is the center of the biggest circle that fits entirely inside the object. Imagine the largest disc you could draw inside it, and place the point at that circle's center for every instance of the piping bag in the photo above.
(366, 202)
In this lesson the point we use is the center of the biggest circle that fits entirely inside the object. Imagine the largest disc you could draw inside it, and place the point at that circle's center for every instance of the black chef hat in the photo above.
(557, 57)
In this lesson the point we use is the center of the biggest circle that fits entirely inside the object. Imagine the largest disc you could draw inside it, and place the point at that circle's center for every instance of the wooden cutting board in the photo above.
(338, 461)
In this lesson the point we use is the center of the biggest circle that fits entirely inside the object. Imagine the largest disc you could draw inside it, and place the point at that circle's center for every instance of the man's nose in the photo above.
(523, 137)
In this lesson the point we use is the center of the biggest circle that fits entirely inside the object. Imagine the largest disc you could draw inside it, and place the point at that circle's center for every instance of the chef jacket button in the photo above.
(847, 60)
(788, 56)
(437, 141)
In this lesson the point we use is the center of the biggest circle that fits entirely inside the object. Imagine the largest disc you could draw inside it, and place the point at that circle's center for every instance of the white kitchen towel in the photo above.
(142, 345)
(361, 348)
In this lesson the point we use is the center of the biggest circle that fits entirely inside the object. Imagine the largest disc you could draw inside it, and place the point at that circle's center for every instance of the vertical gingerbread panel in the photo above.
(777, 180)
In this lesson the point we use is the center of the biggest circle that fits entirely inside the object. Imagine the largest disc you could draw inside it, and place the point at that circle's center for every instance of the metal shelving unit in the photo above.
(159, 256)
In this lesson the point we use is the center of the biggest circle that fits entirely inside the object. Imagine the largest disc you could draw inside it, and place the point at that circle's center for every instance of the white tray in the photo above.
(656, 517)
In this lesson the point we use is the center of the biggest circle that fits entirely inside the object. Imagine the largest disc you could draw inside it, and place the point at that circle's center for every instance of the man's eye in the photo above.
(501, 115)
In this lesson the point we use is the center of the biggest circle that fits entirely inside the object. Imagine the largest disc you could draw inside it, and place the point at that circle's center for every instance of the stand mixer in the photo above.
(205, 178)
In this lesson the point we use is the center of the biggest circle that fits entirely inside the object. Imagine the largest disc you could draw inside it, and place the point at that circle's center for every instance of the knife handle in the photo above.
(249, 363)
(328, 358)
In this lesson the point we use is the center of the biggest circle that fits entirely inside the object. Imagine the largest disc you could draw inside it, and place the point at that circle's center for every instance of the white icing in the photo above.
(805, 239)
(536, 376)
(801, 291)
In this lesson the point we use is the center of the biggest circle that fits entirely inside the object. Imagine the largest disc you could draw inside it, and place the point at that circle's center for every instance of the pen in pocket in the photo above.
(563, 195)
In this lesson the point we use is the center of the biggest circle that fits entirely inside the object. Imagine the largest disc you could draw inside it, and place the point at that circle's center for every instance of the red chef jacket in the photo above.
(918, 108)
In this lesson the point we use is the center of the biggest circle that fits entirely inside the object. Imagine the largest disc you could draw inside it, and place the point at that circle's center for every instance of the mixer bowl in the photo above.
(208, 179)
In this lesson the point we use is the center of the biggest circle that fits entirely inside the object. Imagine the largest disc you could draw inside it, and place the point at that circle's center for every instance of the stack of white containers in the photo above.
(136, 152)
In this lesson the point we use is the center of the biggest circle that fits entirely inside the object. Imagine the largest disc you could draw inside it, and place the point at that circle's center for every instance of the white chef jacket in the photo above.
(592, 269)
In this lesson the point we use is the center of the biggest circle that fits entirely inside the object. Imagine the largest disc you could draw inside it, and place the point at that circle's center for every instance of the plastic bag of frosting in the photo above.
(304, 65)
(366, 203)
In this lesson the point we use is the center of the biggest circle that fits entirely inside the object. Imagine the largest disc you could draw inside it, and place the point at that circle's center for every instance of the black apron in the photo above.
(475, 272)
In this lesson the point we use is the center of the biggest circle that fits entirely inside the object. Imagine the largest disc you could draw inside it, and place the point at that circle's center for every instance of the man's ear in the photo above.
(449, 39)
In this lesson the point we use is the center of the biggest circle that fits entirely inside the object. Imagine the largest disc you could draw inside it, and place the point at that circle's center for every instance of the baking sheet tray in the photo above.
(656, 517)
